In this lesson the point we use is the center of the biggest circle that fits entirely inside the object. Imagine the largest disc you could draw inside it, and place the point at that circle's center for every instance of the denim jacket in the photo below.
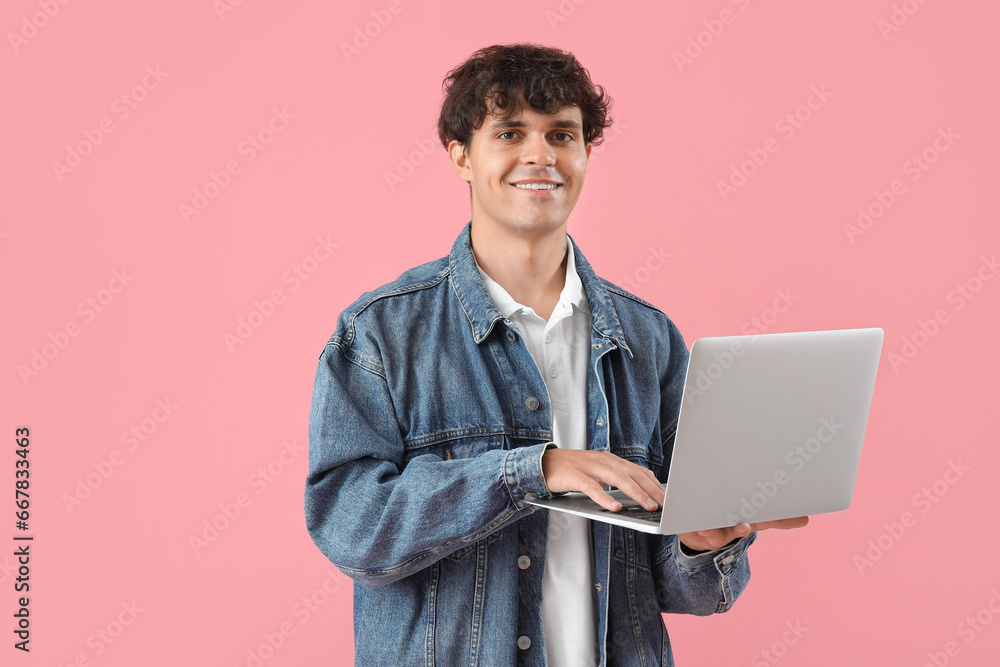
(426, 432)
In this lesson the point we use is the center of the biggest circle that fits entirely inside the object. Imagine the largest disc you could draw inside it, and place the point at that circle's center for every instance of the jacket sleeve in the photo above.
(377, 519)
(699, 583)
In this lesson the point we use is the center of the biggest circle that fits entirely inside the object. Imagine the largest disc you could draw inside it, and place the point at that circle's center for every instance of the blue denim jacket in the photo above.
(427, 427)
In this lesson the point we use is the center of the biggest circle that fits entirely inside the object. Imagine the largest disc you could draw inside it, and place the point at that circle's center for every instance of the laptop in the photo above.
(770, 427)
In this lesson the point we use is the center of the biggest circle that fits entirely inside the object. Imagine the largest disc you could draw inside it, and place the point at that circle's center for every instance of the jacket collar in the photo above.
(483, 314)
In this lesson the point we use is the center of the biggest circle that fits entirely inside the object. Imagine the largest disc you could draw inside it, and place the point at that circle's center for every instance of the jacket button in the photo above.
(524, 642)
(511, 336)
(598, 586)
(523, 562)
(532, 403)
(600, 421)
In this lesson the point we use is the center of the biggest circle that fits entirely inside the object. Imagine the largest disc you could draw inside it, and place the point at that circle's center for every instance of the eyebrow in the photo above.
(561, 123)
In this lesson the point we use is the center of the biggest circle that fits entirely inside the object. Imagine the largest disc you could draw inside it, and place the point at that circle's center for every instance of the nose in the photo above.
(538, 151)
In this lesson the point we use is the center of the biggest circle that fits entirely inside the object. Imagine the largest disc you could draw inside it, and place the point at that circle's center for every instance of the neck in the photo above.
(531, 268)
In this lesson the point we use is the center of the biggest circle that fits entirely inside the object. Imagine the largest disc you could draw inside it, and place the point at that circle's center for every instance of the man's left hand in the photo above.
(710, 540)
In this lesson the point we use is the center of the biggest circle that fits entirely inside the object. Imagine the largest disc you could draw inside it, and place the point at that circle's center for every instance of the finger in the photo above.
(596, 492)
(654, 487)
(638, 483)
(633, 487)
(706, 540)
(719, 537)
(782, 524)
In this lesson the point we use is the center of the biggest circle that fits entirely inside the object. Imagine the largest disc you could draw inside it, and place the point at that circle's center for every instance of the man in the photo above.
(506, 369)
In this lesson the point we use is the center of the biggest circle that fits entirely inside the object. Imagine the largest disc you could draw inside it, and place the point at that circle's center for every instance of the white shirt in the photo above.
(561, 350)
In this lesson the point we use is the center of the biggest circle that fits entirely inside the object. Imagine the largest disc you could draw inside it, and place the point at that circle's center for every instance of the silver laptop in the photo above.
(770, 427)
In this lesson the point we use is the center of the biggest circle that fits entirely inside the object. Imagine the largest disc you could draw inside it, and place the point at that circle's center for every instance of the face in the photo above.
(526, 171)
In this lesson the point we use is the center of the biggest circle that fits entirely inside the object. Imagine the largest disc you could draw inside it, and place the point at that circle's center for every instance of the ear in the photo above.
(460, 160)
(589, 148)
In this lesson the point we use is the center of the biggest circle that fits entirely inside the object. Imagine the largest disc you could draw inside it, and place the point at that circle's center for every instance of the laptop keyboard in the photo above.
(637, 512)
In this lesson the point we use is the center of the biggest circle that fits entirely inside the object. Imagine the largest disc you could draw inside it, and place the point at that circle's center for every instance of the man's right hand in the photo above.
(590, 471)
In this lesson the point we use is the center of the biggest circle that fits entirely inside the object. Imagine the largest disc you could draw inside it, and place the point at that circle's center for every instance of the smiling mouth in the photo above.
(537, 186)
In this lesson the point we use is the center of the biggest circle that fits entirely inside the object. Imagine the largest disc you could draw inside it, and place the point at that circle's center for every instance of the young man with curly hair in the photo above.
(508, 368)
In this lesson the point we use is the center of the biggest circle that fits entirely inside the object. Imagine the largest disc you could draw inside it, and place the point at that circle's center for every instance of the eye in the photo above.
(503, 136)
(564, 136)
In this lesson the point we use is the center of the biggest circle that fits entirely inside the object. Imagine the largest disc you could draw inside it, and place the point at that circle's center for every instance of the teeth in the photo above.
(537, 186)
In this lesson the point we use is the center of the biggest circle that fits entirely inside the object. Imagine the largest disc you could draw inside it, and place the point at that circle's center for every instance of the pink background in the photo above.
(122, 552)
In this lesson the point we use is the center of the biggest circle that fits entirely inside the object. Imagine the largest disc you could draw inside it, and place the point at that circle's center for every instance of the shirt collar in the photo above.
(483, 313)
(572, 291)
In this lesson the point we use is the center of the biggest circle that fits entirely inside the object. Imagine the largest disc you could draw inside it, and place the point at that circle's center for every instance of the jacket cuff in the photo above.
(724, 559)
(522, 472)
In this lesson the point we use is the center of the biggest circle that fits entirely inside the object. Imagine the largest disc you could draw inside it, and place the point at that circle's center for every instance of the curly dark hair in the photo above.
(502, 78)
